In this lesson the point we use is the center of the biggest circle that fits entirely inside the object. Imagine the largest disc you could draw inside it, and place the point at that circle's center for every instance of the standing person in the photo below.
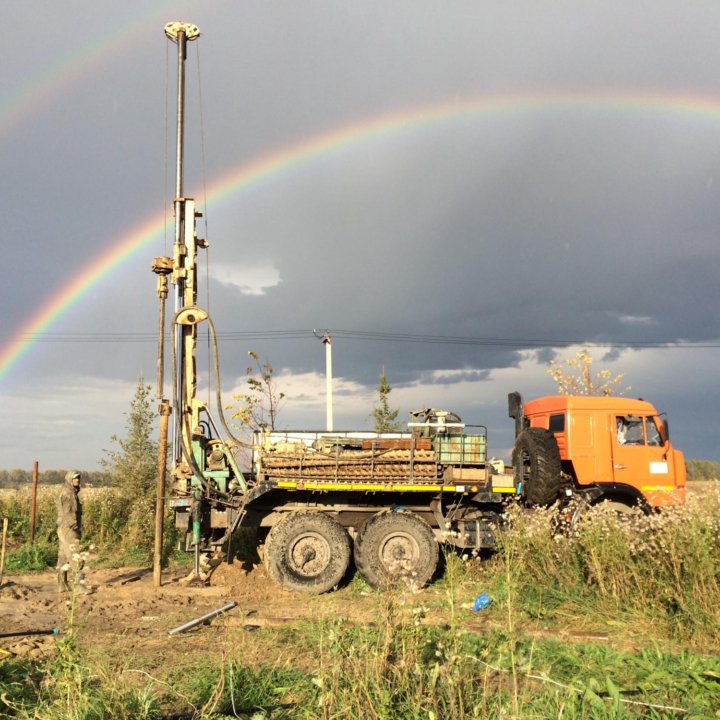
(69, 530)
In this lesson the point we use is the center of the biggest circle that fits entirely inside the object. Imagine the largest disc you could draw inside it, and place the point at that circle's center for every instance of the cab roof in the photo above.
(562, 403)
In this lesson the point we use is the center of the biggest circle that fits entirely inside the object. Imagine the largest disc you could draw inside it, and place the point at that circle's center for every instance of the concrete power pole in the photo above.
(327, 342)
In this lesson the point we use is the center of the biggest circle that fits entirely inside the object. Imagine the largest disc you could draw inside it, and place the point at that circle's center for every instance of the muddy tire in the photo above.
(307, 552)
(396, 548)
(536, 463)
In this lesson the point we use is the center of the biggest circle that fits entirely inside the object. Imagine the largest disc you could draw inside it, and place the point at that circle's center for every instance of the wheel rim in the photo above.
(399, 553)
(309, 554)
(617, 507)
(623, 513)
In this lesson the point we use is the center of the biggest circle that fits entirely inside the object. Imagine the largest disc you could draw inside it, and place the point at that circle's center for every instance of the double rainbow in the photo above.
(348, 136)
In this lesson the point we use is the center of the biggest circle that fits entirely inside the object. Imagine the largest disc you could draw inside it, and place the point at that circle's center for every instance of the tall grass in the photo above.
(402, 670)
(652, 583)
(69, 688)
(103, 512)
(399, 668)
(661, 571)
(117, 529)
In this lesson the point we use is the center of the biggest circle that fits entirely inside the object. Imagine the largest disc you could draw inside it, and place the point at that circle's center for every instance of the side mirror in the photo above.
(666, 430)
(514, 404)
(515, 410)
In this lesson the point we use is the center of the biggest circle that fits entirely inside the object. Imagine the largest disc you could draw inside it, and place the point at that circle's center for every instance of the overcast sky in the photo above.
(457, 191)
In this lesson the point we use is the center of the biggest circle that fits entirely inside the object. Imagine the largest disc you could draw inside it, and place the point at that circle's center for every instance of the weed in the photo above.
(67, 688)
(661, 571)
(19, 681)
(29, 558)
(109, 524)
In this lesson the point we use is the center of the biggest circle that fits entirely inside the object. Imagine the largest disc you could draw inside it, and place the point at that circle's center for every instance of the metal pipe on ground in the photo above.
(197, 621)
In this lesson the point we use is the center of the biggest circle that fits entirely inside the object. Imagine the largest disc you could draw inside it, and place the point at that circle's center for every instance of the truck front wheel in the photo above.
(396, 548)
(307, 552)
(537, 466)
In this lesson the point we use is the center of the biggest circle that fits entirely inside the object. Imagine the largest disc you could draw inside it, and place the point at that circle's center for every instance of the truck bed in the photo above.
(354, 458)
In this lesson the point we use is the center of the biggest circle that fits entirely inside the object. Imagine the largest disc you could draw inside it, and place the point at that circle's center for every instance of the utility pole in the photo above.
(33, 501)
(327, 342)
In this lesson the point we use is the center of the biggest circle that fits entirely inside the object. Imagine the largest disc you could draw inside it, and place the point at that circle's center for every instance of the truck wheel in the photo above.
(396, 548)
(624, 511)
(307, 552)
(537, 467)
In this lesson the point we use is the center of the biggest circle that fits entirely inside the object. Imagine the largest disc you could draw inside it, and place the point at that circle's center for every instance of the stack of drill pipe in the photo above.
(353, 465)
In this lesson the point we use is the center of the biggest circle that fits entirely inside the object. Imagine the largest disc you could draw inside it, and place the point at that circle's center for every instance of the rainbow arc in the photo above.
(354, 135)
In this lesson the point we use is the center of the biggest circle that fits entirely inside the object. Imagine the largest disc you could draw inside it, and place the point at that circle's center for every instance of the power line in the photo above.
(370, 336)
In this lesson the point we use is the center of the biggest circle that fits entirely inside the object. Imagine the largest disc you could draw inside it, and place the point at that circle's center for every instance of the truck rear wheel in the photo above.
(396, 548)
(537, 466)
(307, 552)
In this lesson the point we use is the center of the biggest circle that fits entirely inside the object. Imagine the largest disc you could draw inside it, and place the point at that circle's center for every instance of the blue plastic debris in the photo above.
(481, 602)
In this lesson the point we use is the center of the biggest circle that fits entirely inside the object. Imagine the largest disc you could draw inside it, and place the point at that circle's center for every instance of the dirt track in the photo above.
(126, 614)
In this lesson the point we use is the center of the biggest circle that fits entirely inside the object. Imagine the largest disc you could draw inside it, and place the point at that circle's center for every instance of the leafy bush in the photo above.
(30, 557)
(103, 513)
(107, 519)
(132, 468)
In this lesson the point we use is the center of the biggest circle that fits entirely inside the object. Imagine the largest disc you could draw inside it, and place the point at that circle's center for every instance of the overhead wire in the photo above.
(376, 336)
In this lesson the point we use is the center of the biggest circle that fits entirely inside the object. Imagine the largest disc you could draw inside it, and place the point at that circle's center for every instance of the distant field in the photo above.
(102, 512)
(702, 488)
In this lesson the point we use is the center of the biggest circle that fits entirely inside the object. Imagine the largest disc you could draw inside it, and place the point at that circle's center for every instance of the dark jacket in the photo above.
(69, 509)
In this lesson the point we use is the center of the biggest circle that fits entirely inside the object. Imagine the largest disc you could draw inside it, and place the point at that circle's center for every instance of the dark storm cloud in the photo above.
(561, 247)
(586, 224)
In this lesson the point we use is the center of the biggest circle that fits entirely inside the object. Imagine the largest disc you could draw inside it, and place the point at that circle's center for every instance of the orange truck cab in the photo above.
(608, 448)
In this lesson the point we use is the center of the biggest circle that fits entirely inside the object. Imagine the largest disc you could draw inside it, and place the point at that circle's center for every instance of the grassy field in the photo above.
(108, 524)
(619, 619)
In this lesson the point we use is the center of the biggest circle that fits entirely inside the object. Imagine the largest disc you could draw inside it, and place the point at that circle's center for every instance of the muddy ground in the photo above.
(127, 614)
(127, 619)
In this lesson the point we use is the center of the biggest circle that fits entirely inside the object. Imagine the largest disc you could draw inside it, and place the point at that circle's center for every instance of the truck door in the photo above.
(639, 457)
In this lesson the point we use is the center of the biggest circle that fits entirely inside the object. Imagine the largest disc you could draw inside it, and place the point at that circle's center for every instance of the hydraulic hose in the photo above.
(218, 395)
(186, 452)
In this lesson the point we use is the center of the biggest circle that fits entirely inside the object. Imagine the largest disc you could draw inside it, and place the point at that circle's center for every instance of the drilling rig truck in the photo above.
(320, 501)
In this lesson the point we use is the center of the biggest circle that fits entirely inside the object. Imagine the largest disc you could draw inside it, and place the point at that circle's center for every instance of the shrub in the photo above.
(658, 568)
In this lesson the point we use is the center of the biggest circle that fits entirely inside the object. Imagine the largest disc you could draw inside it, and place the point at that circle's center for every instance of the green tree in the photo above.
(703, 470)
(574, 376)
(132, 467)
(385, 418)
(259, 407)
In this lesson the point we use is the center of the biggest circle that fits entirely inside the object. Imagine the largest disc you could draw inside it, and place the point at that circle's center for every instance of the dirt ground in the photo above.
(128, 619)
(127, 616)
